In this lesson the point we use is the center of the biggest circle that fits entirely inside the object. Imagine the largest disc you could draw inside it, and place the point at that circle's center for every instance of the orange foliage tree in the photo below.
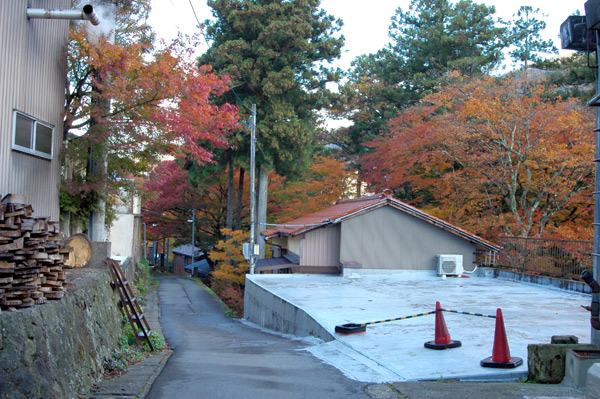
(325, 182)
(495, 155)
(229, 275)
(130, 103)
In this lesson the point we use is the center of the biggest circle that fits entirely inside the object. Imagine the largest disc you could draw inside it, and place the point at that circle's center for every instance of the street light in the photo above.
(145, 254)
(193, 222)
(574, 34)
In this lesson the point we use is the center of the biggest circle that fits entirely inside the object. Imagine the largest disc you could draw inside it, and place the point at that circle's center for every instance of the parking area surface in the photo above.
(394, 351)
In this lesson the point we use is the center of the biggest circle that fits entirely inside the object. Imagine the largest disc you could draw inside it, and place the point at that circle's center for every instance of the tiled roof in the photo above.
(186, 250)
(347, 208)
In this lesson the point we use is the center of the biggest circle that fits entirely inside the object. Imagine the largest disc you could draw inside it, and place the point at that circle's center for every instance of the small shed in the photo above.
(370, 232)
(182, 257)
(200, 268)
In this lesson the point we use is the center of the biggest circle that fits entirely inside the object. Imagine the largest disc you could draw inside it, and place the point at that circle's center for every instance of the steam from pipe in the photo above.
(87, 13)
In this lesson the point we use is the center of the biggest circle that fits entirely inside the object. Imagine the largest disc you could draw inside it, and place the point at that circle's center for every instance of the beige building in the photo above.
(372, 232)
(125, 234)
(32, 90)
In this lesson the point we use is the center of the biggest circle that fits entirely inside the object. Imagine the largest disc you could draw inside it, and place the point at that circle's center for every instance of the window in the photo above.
(32, 136)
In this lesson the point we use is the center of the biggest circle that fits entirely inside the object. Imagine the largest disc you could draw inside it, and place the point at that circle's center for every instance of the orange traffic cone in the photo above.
(442, 336)
(501, 353)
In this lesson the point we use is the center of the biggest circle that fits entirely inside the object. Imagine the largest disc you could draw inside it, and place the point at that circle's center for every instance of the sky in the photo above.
(366, 23)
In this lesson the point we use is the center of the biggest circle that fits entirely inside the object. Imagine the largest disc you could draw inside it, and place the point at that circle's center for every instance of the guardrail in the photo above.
(556, 258)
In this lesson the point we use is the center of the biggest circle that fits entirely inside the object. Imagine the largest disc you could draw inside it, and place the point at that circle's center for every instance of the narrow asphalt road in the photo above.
(218, 357)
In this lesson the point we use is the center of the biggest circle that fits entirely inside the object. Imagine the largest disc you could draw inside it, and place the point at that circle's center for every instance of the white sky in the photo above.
(365, 22)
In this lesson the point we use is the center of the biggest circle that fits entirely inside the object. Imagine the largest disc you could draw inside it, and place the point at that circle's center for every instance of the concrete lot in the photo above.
(394, 351)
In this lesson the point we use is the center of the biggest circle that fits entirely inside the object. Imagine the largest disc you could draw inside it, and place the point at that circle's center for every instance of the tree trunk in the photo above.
(358, 182)
(229, 218)
(97, 165)
(98, 217)
(263, 186)
(240, 196)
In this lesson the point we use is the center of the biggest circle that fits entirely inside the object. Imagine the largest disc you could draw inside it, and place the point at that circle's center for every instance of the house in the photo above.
(32, 95)
(182, 256)
(370, 232)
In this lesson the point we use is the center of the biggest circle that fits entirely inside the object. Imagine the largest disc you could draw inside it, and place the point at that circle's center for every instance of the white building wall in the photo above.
(121, 235)
(123, 232)
(387, 238)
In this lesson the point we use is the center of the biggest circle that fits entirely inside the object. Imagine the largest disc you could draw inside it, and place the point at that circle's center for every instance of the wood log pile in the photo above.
(32, 256)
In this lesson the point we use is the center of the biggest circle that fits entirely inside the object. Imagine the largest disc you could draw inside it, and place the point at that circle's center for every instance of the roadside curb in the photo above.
(137, 381)
(160, 366)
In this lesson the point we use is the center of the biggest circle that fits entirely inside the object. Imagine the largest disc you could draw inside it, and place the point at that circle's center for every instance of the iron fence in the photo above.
(556, 258)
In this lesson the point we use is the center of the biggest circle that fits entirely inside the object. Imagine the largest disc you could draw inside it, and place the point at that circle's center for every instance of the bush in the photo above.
(141, 281)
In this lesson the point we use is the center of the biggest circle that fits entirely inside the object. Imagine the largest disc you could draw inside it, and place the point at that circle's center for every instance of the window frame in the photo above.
(34, 130)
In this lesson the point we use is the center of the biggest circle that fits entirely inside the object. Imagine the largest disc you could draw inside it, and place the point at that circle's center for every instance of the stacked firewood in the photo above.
(32, 253)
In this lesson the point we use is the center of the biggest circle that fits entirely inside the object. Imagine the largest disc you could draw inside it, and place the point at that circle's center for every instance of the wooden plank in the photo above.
(14, 199)
(16, 213)
(27, 224)
(54, 295)
(16, 244)
(10, 233)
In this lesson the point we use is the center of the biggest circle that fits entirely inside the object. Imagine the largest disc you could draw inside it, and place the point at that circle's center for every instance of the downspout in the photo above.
(87, 13)
(595, 308)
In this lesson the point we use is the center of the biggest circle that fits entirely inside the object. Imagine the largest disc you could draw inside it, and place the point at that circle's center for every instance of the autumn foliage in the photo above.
(325, 182)
(229, 276)
(494, 155)
(135, 103)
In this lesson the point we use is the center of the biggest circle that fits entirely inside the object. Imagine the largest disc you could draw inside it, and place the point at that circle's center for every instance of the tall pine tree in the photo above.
(276, 53)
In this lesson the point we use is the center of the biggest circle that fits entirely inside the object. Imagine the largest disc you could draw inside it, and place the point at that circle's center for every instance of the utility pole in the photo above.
(193, 231)
(252, 189)
(144, 243)
(575, 34)
(595, 334)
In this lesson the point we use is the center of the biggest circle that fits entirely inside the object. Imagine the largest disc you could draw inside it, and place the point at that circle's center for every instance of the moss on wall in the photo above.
(56, 350)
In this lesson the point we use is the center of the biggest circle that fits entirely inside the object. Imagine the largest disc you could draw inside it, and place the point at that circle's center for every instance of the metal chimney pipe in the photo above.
(87, 13)
(90, 15)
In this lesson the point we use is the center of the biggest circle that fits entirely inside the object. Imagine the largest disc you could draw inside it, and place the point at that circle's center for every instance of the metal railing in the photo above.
(556, 258)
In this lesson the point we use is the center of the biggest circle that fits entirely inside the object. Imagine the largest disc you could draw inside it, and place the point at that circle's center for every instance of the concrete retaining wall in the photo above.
(270, 311)
(563, 284)
(56, 350)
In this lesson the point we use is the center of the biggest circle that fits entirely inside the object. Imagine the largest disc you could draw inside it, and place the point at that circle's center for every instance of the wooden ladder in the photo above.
(136, 317)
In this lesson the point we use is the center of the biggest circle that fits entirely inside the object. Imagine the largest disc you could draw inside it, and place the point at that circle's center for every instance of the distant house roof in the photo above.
(186, 250)
(202, 266)
(273, 264)
(344, 209)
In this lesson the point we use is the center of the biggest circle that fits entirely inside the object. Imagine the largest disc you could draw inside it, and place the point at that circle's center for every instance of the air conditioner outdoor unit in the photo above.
(449, 265)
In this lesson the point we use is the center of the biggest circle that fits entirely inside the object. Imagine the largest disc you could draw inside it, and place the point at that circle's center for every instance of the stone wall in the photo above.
(56, 350)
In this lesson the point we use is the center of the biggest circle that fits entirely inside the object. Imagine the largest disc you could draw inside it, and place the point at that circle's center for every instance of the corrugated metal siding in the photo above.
(32, 80)
(390, 239)
(321, 247)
